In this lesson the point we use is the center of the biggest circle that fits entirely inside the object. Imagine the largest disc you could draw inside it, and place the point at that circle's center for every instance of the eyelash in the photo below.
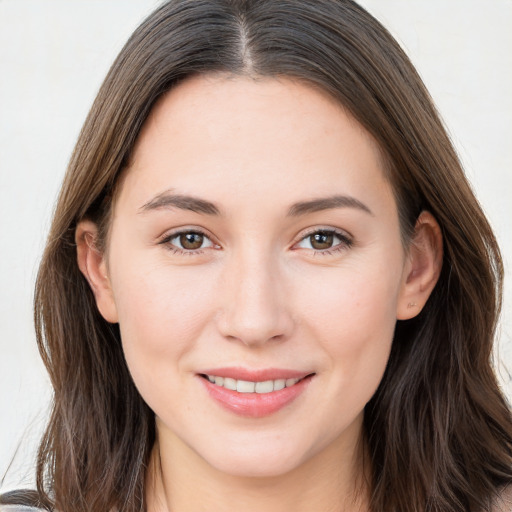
(186, 252)
(345, 241)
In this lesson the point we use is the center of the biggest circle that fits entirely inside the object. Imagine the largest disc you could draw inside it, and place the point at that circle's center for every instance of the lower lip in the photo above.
(255, 405)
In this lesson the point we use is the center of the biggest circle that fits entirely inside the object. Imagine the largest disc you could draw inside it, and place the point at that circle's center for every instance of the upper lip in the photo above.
(255, 375)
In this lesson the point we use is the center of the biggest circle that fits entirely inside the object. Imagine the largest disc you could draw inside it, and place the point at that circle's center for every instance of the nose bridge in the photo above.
(254, 310)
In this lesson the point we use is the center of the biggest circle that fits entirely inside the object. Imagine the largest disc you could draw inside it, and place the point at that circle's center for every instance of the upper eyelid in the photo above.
(311, 231)
(173, 233)
(346, 240)
(169, 235)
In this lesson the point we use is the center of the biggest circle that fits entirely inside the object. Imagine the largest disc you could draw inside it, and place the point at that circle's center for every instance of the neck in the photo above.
(333, 480)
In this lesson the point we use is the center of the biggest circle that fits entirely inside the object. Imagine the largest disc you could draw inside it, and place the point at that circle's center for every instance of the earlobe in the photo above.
(422, 268)
(93, 265)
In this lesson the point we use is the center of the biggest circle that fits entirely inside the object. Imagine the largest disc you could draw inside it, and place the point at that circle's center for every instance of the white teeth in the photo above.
(279, 384)
(264, 387)
(245, 386)
(230, 383)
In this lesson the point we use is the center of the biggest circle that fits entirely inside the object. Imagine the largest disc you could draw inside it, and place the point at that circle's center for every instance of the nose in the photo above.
(254, 307)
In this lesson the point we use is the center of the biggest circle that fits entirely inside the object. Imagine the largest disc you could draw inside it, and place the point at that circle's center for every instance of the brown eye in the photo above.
(325, 241)
(191, 241)
(188, 242)
(321, 240)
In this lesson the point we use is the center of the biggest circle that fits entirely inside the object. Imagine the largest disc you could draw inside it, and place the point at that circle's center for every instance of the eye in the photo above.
(325, 240)
(188, 241)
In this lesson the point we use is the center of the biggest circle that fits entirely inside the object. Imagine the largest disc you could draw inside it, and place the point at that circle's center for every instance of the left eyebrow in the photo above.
(327, 203)
(168, 199)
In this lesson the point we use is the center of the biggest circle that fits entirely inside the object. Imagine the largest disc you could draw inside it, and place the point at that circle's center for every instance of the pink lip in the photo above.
(239, 373)
(255, 405)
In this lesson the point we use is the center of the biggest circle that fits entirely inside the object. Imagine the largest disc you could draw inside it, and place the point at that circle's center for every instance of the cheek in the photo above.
(162, 312)
(353, 318)
(355, 302)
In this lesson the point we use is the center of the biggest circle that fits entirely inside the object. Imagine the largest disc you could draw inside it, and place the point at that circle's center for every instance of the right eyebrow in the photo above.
(168, 199)
(326, 203)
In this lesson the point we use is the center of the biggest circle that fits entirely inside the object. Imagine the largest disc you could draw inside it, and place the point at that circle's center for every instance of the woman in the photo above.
(268, 284)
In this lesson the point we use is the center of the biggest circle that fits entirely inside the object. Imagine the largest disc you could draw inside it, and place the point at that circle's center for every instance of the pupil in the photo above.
(191, 240)
(322, 240)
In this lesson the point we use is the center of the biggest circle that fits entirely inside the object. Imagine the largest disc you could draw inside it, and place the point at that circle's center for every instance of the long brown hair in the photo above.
(438, 431)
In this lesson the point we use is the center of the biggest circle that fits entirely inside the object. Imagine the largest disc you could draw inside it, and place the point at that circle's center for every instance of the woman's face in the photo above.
(255, 240)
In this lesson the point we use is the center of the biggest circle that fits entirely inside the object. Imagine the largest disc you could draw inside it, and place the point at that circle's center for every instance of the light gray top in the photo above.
(504, 504)
(19, 508)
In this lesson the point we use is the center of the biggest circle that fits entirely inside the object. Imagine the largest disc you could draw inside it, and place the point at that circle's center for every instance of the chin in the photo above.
(248, 465)
(265, 458)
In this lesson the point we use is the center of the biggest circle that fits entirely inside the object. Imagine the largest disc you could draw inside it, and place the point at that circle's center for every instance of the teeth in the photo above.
(245, 386)
(279, 384)
(264, 387)
(230, 383)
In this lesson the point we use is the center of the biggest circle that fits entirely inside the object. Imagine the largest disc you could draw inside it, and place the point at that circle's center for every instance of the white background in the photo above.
(53, 57)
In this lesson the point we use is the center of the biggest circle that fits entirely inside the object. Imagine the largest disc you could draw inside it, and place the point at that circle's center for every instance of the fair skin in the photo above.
(260, 280)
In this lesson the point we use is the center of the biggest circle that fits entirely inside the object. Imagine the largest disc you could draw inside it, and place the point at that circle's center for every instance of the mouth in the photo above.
(262, 395)
(247, 386)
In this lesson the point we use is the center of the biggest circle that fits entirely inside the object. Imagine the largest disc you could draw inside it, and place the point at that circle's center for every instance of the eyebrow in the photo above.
(168, 199)
(327, 203)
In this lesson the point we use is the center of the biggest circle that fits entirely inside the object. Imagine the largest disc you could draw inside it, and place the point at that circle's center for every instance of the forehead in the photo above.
(236, 137)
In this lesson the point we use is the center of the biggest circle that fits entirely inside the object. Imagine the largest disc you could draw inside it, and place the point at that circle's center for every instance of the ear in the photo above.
(422, 268)
(93, 265)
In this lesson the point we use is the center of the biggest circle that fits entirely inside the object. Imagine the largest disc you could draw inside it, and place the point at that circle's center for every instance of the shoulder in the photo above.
(504, 501)
(19, 508)
(23, 500)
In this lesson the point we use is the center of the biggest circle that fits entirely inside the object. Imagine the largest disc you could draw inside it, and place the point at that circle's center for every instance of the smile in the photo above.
(256, 397)
(245, 386)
